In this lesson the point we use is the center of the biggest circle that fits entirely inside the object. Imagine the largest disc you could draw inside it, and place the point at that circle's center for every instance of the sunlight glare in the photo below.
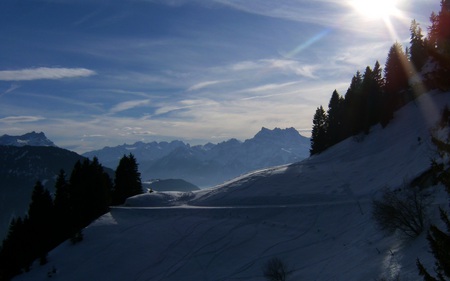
(375, 9)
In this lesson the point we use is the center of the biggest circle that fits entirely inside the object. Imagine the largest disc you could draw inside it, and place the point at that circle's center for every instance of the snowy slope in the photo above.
(314, 215)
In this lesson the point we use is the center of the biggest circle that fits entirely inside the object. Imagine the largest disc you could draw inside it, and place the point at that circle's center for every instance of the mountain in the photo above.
(21, 167)
(211, 164)
(144, 152)
(32, 139)
(314, 215)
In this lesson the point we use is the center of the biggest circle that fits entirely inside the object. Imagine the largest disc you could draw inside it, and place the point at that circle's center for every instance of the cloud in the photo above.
(11, 88)
(202, 85)
(286, 65)
(129, 105)
(39, 73)
(325, 12)
(21, 119)
(184, 104)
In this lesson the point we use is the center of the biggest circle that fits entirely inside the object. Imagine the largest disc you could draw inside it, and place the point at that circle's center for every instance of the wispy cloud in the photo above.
(276, 64)
(44, 73)
(11, 88)
(21, 119)
(129, 105)
(321, 12)
(202, 85)
(184, 104)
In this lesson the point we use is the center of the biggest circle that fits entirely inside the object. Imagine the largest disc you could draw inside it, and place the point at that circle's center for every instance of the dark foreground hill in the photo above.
(20, 168)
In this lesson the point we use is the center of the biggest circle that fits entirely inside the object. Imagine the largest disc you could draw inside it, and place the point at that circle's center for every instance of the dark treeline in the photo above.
(376, 94)
(77, 202)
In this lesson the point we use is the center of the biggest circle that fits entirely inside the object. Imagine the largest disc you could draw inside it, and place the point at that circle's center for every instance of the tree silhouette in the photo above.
(439, 31)
(335, 119)
(417, 51)
(127, 180)
(352, 106)
(319, 131)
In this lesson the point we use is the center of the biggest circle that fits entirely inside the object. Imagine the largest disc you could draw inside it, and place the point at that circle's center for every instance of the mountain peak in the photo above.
(31, 139)
(287, 133)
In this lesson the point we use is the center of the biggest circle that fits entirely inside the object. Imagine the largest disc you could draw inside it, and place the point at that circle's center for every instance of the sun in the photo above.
(375, 9)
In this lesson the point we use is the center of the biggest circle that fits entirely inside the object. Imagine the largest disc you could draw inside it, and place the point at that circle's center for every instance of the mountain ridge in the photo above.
(211, 164)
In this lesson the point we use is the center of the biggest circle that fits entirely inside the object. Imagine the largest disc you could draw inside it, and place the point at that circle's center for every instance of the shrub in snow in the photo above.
(402, 209)
(275, 270)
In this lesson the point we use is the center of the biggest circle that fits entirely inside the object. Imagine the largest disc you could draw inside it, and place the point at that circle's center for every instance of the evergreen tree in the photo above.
(127, 180)
(63, 208)
(396, 74)
(439, 31)
(372, 92)
(90, 192)
(418, 54)
(41, 220)
(14, 257)
(335, 119)
(41, 205)
(319, 132)
(352, 104)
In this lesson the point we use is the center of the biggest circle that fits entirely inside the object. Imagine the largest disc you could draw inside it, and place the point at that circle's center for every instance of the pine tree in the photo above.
(319, 132)
(352, 106)
(127, 180)
(396, 73)
(90, 192)
(372, 93)
(14, 251)
(439, 31)
(418, 54)
(41, 220)
(335, 117)
(63, 208)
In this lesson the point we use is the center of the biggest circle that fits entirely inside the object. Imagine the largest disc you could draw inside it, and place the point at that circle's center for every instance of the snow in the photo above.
(314, 215)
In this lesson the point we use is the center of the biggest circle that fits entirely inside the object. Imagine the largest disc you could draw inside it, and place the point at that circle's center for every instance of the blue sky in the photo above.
(102, 73)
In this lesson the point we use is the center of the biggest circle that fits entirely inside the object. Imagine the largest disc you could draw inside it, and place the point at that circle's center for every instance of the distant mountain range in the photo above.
(210, 164)
(32, 156)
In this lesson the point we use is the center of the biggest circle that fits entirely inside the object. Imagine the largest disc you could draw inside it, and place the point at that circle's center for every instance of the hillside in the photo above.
(170, 185)
(315, 215)
(20, 168)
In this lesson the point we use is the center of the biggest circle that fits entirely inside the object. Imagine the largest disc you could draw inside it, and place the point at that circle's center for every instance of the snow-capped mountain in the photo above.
(314, 215)
(210, 164)
(31, 139)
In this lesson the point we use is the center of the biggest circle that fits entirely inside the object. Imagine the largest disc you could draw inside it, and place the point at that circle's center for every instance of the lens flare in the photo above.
(375, 9)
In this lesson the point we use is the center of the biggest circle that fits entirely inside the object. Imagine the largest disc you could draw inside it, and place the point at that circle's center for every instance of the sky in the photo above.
(98, 73)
